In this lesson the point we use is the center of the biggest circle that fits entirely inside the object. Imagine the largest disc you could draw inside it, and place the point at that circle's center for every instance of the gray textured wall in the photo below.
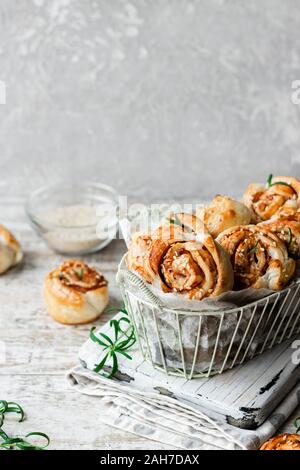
(161, 98)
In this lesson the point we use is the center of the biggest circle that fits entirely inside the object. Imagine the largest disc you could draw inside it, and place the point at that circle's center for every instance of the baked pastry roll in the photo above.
(223, 213)
(289, 213)
(259, 258)
(180, 226)
(197, 267)
(282, 193)
(138, 256)
(282, 442)
(288, 231)
(75, 293)
(10, 250)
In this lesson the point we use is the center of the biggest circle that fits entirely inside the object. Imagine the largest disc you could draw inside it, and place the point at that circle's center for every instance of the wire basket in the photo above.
(200, 344)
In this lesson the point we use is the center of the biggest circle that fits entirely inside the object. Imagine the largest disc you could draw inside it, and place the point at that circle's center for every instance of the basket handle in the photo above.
(124, 274)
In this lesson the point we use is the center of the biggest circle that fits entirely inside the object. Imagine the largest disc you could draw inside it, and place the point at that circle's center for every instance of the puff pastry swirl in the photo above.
(75, 293)
(282, 442)
(259, 258)
(223, 213)
(288, 231)
(266, 202)
(10, 250)
(181, 262)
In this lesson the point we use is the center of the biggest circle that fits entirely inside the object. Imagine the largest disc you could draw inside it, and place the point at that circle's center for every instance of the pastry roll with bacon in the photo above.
(288, 231)
(223, 213)
(197, 267)
(10, 250)
(259, 258)
(282, 193)
(75, 293)
(282, 442)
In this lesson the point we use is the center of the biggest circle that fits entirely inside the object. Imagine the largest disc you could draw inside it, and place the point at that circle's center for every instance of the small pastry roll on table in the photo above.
(282, 442)
(10, 250)
(259, 258)
(223, 213)
(264, 202)
(75, 293)
(196, 267)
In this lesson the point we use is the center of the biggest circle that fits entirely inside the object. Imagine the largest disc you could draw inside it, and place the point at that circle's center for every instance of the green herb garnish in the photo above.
(254, 249)
(79, 273)
(119, 344)
(17, 442)
(282, 183)
(290, 237)
(177, 221)
(297, 424)
(270, 180)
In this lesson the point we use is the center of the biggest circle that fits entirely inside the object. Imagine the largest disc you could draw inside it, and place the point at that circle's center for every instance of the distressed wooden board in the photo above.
(245, 395)
(39, 351)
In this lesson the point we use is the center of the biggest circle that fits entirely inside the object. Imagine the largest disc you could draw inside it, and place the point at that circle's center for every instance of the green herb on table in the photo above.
(16, 442)
(120, 342)
(282, 183)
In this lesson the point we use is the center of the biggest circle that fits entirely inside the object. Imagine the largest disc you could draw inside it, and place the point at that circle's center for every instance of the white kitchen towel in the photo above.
(176, 424)
(139, 406)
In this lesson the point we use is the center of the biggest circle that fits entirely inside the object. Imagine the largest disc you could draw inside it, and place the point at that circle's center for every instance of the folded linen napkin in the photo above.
(134, 402)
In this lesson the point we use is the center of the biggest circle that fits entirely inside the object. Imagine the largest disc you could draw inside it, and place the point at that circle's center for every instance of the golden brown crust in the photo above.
(282, 442)
(223, 213)
(288, 231)
(75, 293)
(288, 212)
(259, 258)
(10, 250)
(197, 267)
(138, 256)
(266, 202)
(179, 226)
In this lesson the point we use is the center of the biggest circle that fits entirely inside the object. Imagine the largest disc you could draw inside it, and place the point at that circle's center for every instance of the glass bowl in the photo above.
(74, 218)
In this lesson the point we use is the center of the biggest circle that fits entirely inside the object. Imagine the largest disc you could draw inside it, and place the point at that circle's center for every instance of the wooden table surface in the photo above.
(39, 351)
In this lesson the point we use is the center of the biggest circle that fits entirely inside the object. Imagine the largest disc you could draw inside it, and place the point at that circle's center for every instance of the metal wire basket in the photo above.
(199, 344)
